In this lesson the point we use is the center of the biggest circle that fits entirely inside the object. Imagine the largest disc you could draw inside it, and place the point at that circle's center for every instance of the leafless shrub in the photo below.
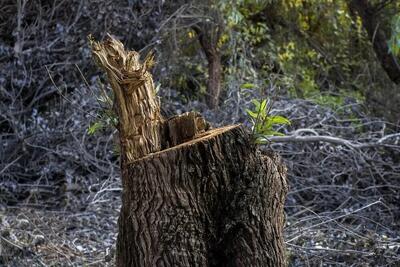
(343, 200)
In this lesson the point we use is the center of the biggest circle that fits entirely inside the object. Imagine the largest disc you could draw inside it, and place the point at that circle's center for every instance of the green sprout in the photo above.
(263, 123)
(106, 116)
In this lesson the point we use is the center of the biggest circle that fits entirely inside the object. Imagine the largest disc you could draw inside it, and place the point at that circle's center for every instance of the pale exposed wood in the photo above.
(181, 128)
(137, 106)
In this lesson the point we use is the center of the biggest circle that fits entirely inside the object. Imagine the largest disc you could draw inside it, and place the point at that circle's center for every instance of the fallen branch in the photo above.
(297, 137)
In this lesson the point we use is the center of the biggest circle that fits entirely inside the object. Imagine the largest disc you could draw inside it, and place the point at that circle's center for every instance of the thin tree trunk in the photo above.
(197, 196)
(209, 44)
(214, 81)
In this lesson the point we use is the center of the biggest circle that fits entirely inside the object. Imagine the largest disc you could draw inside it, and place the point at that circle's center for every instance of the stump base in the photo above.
(210, 201)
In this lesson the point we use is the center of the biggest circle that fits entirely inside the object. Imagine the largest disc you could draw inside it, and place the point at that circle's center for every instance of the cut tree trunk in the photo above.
(197, 197)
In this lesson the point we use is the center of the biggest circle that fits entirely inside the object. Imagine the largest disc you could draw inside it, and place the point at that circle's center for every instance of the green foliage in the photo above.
(335, 101)
(310, 50)
(394, 42)
(262, 122)
(314, 49)
(106, 117)
(248, 86)
(93, 128)
(309, 89)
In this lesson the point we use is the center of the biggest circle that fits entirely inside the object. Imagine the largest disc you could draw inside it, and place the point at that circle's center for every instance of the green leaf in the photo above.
(114, 121)
(263, 106)
(252, 114)
(259, 128)
(279, 120)
(274, 133)
(256, 103)
(247, 86)
(94, 127)
(261, 141)
(267, 125)
(158, 87)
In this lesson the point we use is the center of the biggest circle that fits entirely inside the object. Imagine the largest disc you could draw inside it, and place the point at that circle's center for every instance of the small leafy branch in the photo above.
(106, 116)
(262, 122)
(105, 120)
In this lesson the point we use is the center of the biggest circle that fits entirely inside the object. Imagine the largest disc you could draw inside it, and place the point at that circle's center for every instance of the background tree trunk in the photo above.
(214, 80)
(199, 196)
(378, 38)
(209, 35)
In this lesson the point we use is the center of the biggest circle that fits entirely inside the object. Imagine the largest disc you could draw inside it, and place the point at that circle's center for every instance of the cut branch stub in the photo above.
(136, 104)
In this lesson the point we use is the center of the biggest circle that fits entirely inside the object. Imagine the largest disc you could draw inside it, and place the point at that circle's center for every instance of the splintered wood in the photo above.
(135, 102)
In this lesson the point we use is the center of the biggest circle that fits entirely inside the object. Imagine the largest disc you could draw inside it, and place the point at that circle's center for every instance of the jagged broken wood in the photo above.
(192, 195)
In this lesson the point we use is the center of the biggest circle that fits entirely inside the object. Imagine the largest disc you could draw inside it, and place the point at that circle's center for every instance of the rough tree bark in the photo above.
(192, 195)
(377, 36)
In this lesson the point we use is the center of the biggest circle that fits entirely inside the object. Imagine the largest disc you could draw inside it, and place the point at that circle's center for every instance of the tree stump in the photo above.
(192, 195)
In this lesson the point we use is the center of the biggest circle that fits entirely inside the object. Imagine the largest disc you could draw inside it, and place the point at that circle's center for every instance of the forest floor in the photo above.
(342, 208)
